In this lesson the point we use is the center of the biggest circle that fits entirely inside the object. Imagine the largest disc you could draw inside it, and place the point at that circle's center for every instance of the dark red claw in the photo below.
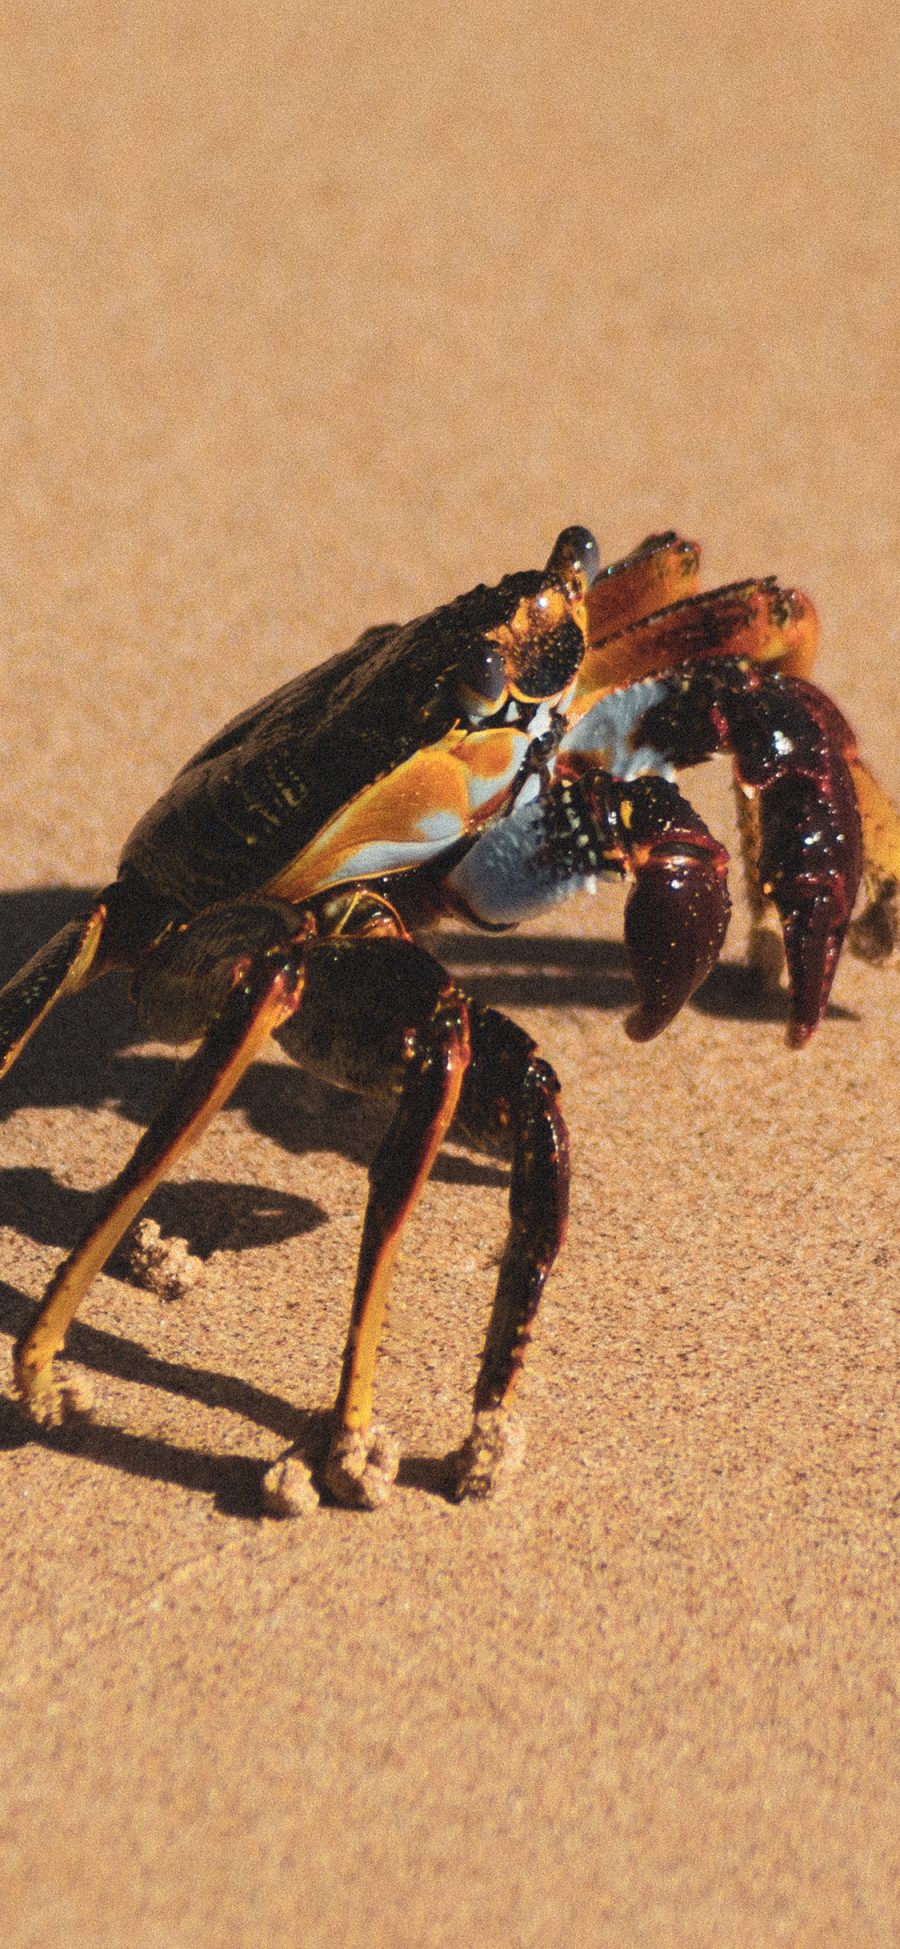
(811, 865)
(676, 917)
(792, 753)
(811, 947)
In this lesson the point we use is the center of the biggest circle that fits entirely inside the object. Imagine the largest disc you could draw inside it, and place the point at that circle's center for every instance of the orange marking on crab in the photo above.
(413, 813)
(493, 754)
(801, 639)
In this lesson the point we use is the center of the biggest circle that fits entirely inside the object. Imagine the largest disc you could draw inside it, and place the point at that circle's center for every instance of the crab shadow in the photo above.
(85, 1057)
(234, 1482)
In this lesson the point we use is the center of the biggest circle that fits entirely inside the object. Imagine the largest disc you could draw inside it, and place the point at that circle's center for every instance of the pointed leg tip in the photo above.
(53, 1397)
(875, 935)
(288, 1488)
(362, 1467)
(642, 1025)
(492, 1451)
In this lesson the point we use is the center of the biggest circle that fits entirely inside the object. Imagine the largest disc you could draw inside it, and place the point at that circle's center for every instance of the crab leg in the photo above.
(510, 1104)
(260, 1001)
(662, 570)
(362, 1462)
(60, 968)
(875, 935)
(379, 1016)
(757, 620)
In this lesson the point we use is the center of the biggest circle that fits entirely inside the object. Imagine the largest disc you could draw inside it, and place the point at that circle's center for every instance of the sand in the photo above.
(311, 317)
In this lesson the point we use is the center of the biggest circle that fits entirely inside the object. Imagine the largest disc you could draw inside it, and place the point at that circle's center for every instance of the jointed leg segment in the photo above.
(362, 1463)
(259, 1003)
(444, 1058)
(510, 1102)
(60, 968)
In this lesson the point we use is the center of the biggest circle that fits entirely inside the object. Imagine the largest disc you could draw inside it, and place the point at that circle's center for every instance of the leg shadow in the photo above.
(235, 1482)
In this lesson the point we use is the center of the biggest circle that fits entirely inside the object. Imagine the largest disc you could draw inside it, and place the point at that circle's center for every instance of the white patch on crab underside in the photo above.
(439, 828)
(607, 732)
(511, 873)
(529, 791)
(539, 722)
(390, 856)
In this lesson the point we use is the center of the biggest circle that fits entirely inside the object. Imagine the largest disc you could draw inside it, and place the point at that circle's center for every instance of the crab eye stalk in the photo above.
(481, 681)
(576, 560)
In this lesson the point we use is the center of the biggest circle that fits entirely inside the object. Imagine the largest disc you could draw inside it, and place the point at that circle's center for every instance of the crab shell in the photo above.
(404, 748)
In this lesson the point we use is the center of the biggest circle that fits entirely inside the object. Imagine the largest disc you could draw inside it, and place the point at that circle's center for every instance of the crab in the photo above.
(482, 762)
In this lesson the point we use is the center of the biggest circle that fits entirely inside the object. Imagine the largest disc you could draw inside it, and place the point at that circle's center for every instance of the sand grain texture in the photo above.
(311, 317)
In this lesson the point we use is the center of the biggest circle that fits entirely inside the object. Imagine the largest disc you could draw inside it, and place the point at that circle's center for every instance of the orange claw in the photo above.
(663, 570)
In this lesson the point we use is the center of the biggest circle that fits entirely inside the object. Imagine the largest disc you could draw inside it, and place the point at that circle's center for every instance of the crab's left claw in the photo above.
(810, 865)
(793, 752)
(589, 824)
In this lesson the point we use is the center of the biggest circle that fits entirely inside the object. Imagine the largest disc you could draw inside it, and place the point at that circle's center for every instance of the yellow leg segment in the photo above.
(362, 1464)
(60, 968)
(875, 936)
(257, 1006)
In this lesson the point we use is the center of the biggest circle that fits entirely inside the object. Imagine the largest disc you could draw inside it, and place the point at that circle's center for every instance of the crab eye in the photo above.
(481, 681)
(576, 560)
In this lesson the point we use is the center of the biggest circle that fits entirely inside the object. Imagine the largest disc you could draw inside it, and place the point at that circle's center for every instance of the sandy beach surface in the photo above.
(311, 317)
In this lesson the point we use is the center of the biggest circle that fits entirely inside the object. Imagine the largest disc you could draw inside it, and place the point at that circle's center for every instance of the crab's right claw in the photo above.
(675, 921)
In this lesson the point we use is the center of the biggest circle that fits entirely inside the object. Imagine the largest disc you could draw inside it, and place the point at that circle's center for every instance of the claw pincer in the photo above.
(677, 912)
(790, 748)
